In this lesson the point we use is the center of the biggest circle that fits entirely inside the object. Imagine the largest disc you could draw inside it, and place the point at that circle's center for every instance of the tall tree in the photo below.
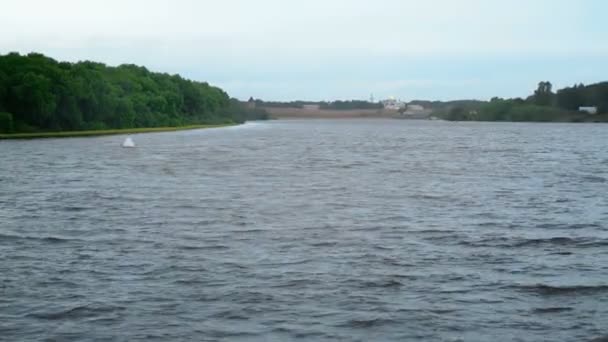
(543, 96)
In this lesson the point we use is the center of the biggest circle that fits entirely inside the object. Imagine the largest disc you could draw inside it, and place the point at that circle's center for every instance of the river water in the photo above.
(354, 230)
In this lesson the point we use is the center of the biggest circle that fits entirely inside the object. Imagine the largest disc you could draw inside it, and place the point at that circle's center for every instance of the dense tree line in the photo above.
(543, 105)
(279, 104)
(38, 93)
(510, 110)
(350, 105)
(577, 96)
(439, 105)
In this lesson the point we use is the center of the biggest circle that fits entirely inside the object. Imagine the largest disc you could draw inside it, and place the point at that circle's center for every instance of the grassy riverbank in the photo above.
(71, 134)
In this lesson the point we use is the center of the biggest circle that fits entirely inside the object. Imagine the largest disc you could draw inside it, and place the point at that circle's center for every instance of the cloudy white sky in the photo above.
(328, 49)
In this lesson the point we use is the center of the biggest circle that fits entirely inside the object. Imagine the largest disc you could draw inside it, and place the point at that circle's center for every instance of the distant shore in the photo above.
(92, 133)
(302, 113)
(306, 113)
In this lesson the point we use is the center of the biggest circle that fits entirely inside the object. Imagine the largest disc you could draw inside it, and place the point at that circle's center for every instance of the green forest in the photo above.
(40, 94)
(543, 105)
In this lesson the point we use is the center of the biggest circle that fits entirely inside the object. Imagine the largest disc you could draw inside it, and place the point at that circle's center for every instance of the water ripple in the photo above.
(352, 230)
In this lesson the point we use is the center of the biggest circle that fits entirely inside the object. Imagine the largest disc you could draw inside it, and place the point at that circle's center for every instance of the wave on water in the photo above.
(563, 241)
(389, 283)
(552, 310)
(246, 125)
(45, 239)
(594, 179)
(202, 247)
(558, 241)
(551, 290)
(568, 226)
(367, 323)
(77, 312)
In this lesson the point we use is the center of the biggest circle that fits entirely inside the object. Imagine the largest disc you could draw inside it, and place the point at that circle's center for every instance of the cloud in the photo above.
(333, 28)
(335, 41)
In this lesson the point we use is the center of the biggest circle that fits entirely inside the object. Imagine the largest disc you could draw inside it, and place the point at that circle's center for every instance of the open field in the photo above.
(70, 134)
(307, 113)
(301, 113)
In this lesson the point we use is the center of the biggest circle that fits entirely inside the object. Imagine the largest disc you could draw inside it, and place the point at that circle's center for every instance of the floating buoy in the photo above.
(128, 142)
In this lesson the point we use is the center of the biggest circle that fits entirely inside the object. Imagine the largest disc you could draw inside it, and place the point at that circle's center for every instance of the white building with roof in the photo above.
(414, 108)
(590, 110)
(393, 104)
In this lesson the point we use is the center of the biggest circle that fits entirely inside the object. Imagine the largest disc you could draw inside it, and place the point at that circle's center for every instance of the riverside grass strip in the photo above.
(93, 133)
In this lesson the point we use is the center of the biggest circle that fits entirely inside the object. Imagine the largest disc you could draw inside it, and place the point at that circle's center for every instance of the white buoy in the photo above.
(128, 142)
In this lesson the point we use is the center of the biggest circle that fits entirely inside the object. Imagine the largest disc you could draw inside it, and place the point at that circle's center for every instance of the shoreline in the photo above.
(316, 113)
(94, 133)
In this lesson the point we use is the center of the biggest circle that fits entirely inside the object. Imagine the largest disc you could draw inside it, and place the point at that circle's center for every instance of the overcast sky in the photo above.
(328, 49)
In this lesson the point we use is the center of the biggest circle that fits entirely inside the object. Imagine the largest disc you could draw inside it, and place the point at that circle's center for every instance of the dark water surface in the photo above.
(354, 230)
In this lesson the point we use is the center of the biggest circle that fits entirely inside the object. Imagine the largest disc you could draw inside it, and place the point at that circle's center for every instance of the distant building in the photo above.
(590, 110)
(414, 108)
(311, 107)
(393, 104)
